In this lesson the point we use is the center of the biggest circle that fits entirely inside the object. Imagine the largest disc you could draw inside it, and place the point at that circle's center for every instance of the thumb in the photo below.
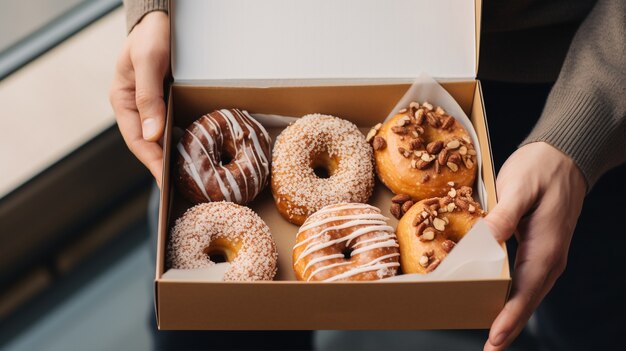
(505, 216)
(149, 99)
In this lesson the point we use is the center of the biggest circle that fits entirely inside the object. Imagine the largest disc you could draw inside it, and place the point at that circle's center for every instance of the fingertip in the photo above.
(151, 129)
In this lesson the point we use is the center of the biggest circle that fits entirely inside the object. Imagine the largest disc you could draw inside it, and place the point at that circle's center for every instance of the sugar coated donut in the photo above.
(420, 150)
(432, 227)
(349, 241)
(223, 156)
(226, 229)
(314, 142)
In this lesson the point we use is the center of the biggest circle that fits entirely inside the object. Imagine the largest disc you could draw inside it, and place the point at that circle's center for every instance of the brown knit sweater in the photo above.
(529, 41)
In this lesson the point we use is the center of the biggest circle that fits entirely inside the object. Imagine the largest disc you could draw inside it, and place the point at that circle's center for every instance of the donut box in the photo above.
(209, 75)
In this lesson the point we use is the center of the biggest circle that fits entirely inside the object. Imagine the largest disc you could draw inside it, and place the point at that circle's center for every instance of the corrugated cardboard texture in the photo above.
(287, 304)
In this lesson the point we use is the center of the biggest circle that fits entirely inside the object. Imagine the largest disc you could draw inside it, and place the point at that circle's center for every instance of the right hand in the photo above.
(137, 90)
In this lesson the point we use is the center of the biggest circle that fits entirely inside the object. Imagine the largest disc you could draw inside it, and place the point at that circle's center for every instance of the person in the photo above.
(580, 135)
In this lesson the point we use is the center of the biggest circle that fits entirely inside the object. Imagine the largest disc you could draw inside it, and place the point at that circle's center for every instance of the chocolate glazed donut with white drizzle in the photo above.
(343, 242)
(223, 156)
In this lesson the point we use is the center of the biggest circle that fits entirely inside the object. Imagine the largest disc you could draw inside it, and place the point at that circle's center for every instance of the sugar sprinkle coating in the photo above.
(294, 182)
(239, 226)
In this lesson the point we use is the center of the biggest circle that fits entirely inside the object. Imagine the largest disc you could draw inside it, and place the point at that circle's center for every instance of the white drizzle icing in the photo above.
(366, 216)
(248, 154)
(192, 168)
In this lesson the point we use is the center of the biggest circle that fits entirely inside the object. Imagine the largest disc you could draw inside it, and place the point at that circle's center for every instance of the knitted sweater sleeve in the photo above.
(585, 114)
(136, 9)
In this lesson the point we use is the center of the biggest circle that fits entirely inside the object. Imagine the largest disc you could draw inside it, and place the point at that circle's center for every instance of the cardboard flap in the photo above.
(323, 39)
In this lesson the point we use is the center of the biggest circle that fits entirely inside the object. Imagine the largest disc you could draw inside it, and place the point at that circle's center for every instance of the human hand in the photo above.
(137, 90)
(540, 193)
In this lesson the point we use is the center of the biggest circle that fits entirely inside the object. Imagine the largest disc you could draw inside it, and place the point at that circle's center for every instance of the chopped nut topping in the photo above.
(400, 198)
(447, 122)
(414, 105)
(379, 143)
(451, 183)
(439, 224)
(377, 126)
(453, 167)
(467, 139)
(471, 152)
(424, 214)
(419, 116)
(421, 164)
(471, 208)
(434, 147)
(442, 159)
(370, 135)
(396, 210)
(424, 261)
(413, 163)
(432, 120)
(403, 110)
(427, 106)
(399, 130)
(415, 144)
(463, 150)
(437, 168)
(415, 133)
(452, 193)
(425, 157)
(404, 152)
(434, 264)
(448, 245)
(403, 121)
(453, 144)
(462, 204)
(468, 162)
(455, 158)
(427, 235)
(407, 206)
(451, 206)
(440, 111)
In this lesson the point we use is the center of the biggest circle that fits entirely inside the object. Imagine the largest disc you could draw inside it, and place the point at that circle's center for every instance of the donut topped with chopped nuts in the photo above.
(421, 149)
(431, 228)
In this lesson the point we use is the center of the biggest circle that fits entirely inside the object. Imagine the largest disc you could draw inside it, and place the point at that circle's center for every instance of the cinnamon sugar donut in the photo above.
(223, 156)
(421, 149)
(320, 141)
(232, 231)
(348, 241)
(432, 227)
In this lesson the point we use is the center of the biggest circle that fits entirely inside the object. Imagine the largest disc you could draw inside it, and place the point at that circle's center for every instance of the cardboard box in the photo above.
(286, 303)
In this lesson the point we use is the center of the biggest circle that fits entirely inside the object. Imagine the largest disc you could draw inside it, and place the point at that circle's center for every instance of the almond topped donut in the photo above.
(431, 228)
(223, 156)
(348, 241)
(317, 143)
(420, 150)
(226, 229)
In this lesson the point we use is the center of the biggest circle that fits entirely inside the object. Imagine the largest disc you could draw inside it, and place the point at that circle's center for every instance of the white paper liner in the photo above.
(477, 256)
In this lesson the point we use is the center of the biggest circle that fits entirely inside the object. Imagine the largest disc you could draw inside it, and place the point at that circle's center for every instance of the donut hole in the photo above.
(324, 166)
(321, 172)
(347, 253)
(220, 250)
(217, 257)
(225, 157)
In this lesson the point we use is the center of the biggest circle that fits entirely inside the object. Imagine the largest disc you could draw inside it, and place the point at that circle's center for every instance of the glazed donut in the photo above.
(348, 241)
(223, 156)
(313, 142)
(432, 227)
(227, 229)
(420, 150)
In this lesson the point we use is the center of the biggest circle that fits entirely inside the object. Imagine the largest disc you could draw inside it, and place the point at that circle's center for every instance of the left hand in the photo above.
(541, 192)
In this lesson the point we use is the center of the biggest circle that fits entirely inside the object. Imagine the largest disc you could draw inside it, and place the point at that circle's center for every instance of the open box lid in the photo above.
(347, 40)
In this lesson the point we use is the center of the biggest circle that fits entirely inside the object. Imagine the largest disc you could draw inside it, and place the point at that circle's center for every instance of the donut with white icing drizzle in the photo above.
(315, 142)
(347, 241)
(223, 156)
(233, 232)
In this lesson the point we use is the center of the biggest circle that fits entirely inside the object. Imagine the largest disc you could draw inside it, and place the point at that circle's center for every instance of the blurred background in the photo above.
(75, 266)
